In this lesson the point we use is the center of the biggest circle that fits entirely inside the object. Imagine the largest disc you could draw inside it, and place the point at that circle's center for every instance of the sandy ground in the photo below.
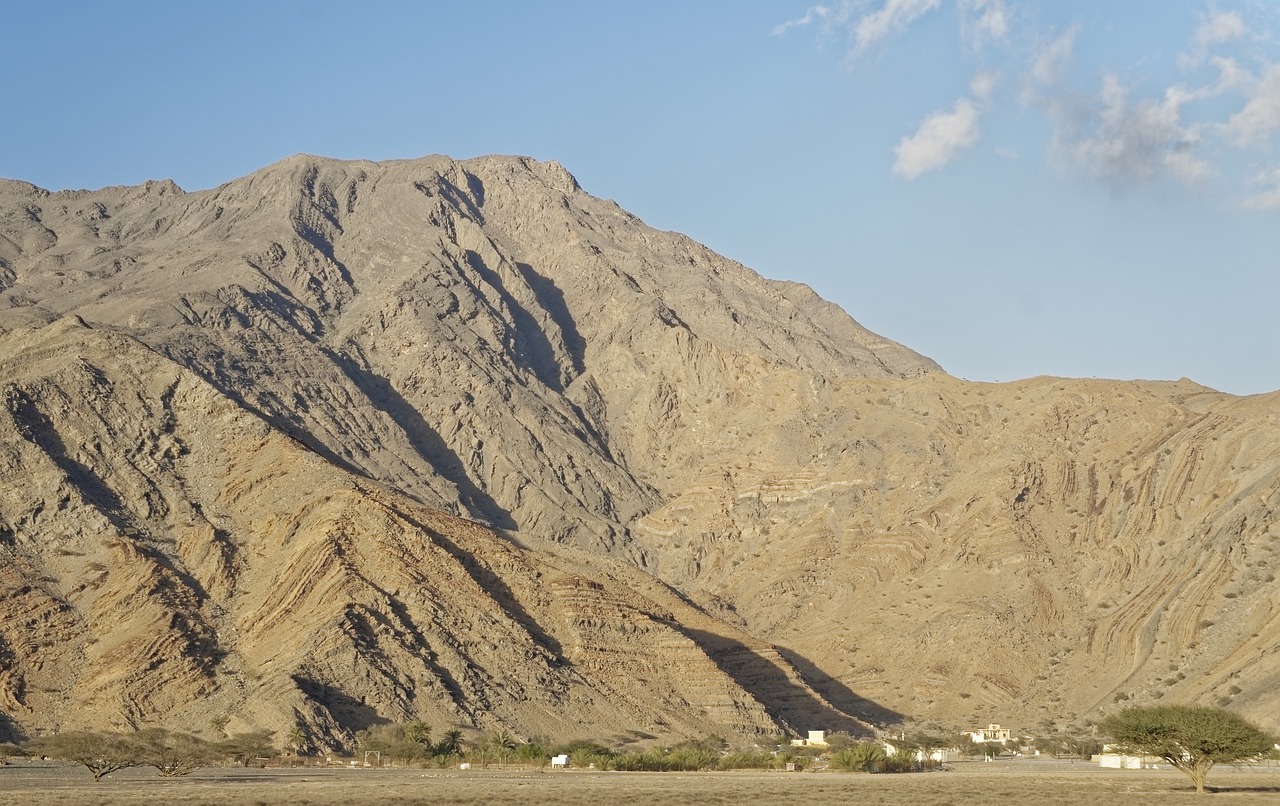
(1036, 782)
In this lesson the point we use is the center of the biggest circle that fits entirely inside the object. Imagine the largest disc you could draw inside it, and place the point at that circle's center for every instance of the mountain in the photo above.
(343, 442)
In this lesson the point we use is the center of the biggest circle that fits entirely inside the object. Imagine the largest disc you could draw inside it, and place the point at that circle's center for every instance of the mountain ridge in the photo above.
(479, 353)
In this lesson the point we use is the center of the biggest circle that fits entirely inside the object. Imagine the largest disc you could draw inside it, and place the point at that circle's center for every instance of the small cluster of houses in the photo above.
(992, 734)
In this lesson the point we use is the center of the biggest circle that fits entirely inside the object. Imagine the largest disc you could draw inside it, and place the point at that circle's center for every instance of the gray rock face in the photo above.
(482, 335)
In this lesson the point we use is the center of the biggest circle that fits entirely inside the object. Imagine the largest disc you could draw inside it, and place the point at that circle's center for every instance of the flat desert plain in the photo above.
(1039, 782)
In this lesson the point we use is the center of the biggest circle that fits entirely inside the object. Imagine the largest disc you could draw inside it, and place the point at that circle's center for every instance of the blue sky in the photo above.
(1013, 188)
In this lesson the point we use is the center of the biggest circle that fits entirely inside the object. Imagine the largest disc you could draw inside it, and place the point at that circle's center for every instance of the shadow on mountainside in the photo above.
(425, 441)
(532, 347)
(800, 707)
(551, 298)
(840, 695)
(9, 730)
(347, 711)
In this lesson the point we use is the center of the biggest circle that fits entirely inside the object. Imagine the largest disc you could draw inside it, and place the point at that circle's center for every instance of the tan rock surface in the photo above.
(250, 432)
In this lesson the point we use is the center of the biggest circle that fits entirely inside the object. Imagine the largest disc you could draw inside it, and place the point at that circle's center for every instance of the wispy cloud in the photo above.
(1268, 198)
(893, 17)
(1109, 121)
(811, 15)
(984, 84)
(1051, 60)
(984, 21)
(1216, 28)
(1123, 142)
(1260, 118)
(936, 142)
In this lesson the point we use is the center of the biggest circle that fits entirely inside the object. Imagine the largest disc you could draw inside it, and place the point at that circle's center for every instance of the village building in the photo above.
(990, 734)
(817, 738)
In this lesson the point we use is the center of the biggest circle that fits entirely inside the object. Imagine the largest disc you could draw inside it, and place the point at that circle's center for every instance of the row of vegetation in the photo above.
(410, 744)
(1189, 738)
(170, 753)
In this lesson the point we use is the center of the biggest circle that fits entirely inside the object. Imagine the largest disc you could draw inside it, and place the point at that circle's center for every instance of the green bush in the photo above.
(748, 761)
(859, 757)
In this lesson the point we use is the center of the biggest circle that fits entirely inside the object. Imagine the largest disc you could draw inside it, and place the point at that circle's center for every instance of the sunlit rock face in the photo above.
(346, 442)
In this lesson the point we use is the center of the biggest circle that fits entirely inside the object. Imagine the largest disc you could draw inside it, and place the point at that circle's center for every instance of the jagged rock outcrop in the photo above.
(346, 441)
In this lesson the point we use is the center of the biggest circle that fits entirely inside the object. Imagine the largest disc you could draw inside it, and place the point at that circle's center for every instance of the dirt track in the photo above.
(1034, 782)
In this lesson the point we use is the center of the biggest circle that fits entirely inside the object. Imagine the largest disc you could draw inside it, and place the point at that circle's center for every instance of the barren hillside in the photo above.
(343, 442)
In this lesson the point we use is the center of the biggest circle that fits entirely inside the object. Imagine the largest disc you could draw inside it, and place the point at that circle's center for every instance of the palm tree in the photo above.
(450, 743)
(502, 743)
(295, 739)
(419, 733)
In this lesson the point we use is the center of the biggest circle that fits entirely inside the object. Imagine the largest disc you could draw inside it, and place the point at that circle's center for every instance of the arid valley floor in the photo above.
(1038, 782)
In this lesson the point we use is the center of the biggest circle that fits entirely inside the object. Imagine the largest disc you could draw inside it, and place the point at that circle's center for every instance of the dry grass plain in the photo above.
(1029, 782)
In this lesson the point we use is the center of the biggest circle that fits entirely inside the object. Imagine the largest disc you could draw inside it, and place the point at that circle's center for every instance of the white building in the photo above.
(817, 738)
(942, 755)
(990, 734)
(1117, 761)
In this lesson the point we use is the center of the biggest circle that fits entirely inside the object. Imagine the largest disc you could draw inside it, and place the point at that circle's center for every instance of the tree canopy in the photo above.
(1191, 738)
(100, 753)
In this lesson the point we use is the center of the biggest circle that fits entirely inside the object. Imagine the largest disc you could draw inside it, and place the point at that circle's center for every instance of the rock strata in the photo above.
(339, 443)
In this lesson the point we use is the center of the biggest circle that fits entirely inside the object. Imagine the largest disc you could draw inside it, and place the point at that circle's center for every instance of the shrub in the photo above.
(859, 757)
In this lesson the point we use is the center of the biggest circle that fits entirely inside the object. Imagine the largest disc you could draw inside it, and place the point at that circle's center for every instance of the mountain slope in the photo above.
(337, 410)
(171, 557)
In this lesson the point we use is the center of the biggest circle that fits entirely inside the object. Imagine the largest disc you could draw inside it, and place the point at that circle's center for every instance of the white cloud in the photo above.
(895, 16)
(1128, 133)
(1260, 117)
(984, 21)
(1269, 197)
(1219, 28)
(811, 15)
(983, 84)
(1216, 28)
(1231, 76)
(1051, 60)
(1130, 143)
(936, 142)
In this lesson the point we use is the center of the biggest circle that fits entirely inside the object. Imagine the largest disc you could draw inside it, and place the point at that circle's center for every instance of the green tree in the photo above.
(295, 740)
(927, 744)
(1191, 738)
(502, 741)
(965, 744)
(532, 751)
(174, 753)
(420, 734)
(450, 743)
(100, 753)
(397, 742)
(245, 747)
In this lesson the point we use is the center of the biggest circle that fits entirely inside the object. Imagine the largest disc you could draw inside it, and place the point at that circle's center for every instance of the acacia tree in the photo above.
(1191, 738)
(174, 753)
(100, 753)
